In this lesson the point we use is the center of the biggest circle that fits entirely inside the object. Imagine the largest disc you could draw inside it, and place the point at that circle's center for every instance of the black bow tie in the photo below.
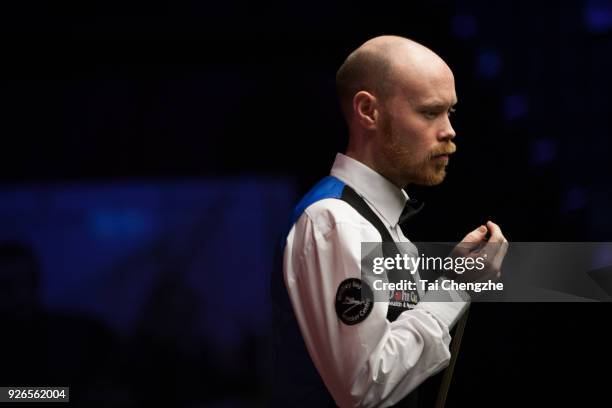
(411, 209)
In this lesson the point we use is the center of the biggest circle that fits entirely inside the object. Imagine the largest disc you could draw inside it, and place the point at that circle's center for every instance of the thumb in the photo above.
(477, 235)
(471, 241)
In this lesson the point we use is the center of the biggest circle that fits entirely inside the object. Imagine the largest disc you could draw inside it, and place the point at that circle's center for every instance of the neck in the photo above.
(366, 157)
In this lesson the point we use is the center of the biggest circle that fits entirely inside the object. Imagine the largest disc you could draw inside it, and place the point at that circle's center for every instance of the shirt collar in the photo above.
(380, 193)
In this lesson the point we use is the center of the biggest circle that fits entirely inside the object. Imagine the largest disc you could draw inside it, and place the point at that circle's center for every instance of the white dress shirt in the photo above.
(374, 362)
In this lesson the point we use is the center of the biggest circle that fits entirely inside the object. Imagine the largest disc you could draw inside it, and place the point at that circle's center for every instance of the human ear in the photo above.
(365, 106)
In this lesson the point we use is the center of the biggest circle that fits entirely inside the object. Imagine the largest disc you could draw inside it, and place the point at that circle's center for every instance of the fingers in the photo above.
(477, 235)
(494, 248)
(497, 247)
(499, 257)
(471, 241)
(496, 233)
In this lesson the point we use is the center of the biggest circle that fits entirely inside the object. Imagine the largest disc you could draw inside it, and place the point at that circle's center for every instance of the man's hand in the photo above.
(492, 250)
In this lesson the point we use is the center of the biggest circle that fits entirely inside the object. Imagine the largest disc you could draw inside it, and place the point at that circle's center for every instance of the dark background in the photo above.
(152, 153)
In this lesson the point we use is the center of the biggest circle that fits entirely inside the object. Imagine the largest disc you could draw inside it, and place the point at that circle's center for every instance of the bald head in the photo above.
(379, 64)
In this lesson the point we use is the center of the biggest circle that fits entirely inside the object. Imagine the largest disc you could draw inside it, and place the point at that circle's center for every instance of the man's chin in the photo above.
(432, 179)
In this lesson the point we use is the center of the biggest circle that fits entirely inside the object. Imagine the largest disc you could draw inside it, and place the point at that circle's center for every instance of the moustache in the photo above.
(452, 148)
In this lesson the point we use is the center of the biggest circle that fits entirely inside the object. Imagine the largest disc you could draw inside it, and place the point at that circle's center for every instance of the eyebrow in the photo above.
(437, 105)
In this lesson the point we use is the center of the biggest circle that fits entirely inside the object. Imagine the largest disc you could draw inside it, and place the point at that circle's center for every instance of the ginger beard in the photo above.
(405, 162)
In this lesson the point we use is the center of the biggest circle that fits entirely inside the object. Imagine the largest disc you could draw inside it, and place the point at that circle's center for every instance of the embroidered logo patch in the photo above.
(354, 301)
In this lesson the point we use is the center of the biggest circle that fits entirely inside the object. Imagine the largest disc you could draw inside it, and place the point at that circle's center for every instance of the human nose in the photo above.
(447, 132)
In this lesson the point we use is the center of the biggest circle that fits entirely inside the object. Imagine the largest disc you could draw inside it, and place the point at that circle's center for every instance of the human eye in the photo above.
(430, 113)
(451, 111)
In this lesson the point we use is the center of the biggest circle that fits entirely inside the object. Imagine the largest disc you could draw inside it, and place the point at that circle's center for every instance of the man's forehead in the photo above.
(430, 93)
(430, 86)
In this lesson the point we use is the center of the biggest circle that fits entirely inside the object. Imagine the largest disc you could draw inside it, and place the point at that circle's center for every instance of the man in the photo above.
(397, 97)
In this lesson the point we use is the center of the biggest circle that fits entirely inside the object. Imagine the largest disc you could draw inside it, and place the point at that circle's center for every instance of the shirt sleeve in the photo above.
(445, 305)
(374, 362)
